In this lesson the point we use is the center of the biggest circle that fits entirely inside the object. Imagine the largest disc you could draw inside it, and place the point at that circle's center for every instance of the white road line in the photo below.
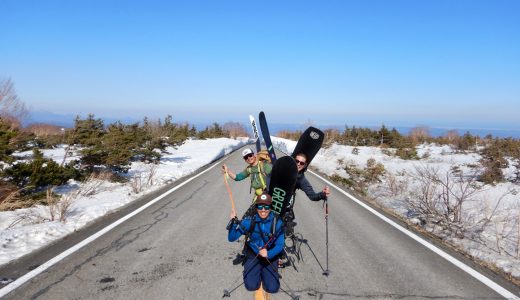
(20, 281)
(491, 284)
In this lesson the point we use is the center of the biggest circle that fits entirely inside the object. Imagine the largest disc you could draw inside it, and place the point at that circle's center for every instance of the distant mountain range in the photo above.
(435, 132)
(67, 121)
(50, 118)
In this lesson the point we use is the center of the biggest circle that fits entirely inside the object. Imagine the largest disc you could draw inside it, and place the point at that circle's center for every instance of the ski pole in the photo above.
(327, 272)
(292, 295)
(227, 293)
(230, 194)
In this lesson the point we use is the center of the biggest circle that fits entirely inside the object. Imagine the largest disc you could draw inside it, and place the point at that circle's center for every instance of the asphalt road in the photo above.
(178, 249)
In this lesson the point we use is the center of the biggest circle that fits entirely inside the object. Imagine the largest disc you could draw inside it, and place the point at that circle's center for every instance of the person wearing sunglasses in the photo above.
(258, 171)
(303, 184)
(264, 243)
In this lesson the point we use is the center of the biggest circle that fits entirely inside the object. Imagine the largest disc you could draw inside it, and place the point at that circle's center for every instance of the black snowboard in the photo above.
(281, 186)
(309, 144)
(266, 136)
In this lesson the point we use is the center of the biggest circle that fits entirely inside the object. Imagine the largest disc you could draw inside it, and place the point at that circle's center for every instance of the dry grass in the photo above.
(58, 207)
(396, 187)
(29, 216)
(92, 185)
(10, 198)
(142, 180)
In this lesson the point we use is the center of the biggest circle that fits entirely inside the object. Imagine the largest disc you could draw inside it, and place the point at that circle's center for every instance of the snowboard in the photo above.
(266, 136)
(281, 186)
(309, 144)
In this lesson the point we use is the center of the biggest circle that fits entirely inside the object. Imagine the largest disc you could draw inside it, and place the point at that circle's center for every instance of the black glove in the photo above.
(323, 196)
(231, 223)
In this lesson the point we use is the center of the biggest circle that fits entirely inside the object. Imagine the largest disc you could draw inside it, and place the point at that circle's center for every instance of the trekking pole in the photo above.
(327, 271)
(230, 193)
(274, 270)
(227, 293)
(291, 294)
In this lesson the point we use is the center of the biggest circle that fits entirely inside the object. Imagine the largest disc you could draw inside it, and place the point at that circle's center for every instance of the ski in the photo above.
(309, 143)
(281, 186)
(255, 133)
(266, 136)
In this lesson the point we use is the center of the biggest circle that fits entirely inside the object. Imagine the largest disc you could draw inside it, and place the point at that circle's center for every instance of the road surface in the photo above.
(178, 249)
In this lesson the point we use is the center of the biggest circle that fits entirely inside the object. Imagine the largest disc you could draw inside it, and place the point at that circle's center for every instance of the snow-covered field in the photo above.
(25, 230)
(495, 241)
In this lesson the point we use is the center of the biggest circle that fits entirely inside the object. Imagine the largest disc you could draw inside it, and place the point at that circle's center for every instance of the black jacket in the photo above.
(303, 184)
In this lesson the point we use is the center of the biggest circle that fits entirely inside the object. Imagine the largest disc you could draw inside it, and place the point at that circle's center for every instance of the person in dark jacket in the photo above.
(303, 184)
(264, 245)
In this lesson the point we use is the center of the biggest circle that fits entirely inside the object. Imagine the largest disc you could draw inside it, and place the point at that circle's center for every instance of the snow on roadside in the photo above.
(22, 238)
(26, 230)
(505, 224)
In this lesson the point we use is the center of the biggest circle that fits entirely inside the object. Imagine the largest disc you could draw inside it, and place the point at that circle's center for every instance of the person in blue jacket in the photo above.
(264, 243)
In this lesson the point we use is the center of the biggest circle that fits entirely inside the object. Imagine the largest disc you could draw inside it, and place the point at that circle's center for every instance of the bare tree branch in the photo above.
(12, 109)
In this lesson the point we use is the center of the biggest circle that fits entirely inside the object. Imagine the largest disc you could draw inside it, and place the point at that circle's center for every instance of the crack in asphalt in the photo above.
(121, 242)
(320, 294)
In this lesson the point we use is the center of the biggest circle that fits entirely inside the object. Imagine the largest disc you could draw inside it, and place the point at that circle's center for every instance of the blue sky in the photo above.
(403, 63)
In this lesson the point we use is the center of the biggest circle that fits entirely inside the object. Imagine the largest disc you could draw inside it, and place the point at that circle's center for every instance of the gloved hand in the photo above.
(231, 223)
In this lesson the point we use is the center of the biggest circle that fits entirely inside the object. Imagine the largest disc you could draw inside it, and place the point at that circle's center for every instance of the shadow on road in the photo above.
(297, 240)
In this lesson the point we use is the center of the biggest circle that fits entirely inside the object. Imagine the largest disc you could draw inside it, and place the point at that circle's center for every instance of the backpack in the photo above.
(263, 155)
(261, 175)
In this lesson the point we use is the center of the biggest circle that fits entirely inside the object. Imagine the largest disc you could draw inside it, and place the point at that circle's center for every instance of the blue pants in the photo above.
(257, 270)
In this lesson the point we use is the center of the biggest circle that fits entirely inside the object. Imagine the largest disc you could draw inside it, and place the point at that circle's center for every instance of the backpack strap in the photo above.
(251, 226)
(272, 231)
(260, 173)
(273, 224)
(260, 163)
(248, 172)
(263, 237)
(249, 232)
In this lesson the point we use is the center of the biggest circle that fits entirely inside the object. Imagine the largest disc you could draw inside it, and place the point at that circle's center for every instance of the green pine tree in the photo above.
(88, 132)
(8, 137)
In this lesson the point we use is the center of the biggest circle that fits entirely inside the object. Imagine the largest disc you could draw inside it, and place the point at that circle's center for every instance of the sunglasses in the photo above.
(248, 156)
(299, 162)
(263, 206)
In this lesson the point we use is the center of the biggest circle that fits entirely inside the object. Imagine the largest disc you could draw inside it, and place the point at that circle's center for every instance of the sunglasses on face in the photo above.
(263, 206)
(299, 162)
(248, 156)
